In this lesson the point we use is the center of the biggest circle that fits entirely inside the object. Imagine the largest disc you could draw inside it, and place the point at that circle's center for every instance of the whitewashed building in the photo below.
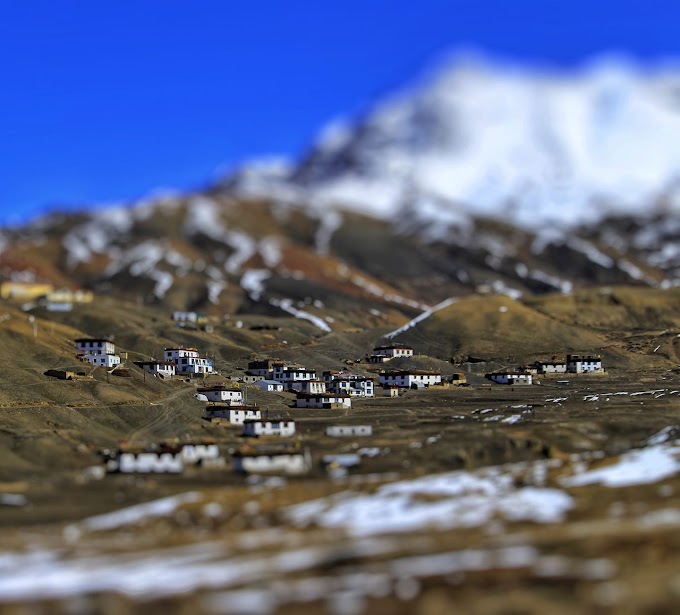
(551, 367)
(195, 454)
(394, 351)
(323, 400)
(287, 374)
(257, 428)
(102, 360)
(236, 416)
(175, 354)
(581, 364)
(192, 317)
(410, 378)
(313, 387)
(263, 368)
(354, 386)
(88, 345)
(188, 361)
(161, 369)
(100, 352)
(222, 394)
(513, 378)
(391, 390)
(339, 431)
(146, 462)
(272, 386)
(274, 462)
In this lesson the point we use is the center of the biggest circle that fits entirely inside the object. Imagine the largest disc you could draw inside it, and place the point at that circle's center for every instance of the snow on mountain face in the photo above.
(535, 147)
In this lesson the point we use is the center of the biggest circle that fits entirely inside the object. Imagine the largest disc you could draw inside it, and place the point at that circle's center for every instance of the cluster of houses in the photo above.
(573, 364)
(166, 458)
(334, 390)
(101, 352)
(179, 361)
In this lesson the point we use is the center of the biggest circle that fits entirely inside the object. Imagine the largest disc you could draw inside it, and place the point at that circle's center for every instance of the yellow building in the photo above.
(24, 291)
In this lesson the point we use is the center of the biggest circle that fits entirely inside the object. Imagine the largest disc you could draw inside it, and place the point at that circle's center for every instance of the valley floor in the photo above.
(561, 498)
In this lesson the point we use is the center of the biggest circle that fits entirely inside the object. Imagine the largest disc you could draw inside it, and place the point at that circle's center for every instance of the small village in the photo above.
(269, 441)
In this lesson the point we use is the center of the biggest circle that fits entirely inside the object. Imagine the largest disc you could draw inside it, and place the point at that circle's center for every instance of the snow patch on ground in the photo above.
(244, 246)
(270, 251)
(252, 281)
(637, 467)
(591, 252)
(287, 306)
(203, 218)
(97, 235)
(376, 290)
(215, 289)
(418, 319)
(131, 515)
(164, 282)
(446, 501)
(329, 222)
(664, 435)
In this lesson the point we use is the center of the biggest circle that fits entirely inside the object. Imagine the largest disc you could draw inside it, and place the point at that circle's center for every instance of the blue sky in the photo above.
(108, 101)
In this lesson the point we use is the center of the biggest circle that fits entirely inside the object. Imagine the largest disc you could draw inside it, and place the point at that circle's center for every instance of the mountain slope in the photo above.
(225, 255)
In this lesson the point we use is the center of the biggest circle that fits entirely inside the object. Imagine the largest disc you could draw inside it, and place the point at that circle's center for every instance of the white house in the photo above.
(251, 379)
(410, 378)
(273, 386)
(88, 345)
(513, 378)
(175, 354)
(262, 368)
(188, 361)
(146, 462)
(551, 367)
(161, 369)
(393, 351)
(257, 428)
(313, 387)
(194, 366)
(391, 390)
(338, 431)
(98, 351)
(354, 385)
(192, 317)
(274, 462)
(287, 374)
(581, 364)
(194, 454)
(102, 360)
(223, 394)
(323, 400)
(234, 416)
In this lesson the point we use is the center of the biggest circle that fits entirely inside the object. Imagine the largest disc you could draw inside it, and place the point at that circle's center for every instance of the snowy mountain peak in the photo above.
(534, 146)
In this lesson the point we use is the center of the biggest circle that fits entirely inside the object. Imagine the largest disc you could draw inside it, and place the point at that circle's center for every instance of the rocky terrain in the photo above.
(561, 496)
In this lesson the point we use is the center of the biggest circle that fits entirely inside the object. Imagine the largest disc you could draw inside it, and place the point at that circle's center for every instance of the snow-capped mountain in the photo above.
(478, 179)
(529, 146)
